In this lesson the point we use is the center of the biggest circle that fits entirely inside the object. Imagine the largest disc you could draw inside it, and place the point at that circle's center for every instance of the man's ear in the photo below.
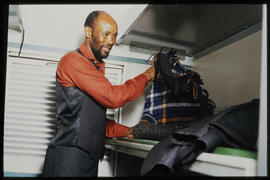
(87, 31)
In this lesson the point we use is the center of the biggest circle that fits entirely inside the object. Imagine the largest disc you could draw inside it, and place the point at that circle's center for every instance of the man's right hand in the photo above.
(150, 73)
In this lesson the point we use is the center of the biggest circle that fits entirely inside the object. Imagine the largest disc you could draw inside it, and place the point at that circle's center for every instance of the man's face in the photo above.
(104, 33)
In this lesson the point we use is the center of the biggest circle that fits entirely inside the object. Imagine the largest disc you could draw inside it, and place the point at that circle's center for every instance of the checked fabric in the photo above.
(162, 108)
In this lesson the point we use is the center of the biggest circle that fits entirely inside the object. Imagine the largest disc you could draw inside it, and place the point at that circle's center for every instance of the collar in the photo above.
(88, 53)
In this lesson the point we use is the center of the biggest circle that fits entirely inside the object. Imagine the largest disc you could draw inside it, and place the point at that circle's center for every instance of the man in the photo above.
(83, 94)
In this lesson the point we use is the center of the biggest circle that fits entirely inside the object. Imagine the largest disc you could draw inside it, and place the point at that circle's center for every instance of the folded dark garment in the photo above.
(193, 131)
(206, 143)
(239, 124)
(236, 126)
(171, 152)
(164, 154)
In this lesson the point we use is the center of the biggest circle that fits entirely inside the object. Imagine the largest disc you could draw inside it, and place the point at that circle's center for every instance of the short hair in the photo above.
(91, 18)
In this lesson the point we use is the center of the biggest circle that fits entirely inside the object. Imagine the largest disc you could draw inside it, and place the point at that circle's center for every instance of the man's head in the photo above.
(100, 32)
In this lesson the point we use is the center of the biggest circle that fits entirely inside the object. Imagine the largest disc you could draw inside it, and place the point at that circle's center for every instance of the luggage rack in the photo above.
(222, 162)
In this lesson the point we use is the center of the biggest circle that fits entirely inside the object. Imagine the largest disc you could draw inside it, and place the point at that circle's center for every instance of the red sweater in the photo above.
(75, 70)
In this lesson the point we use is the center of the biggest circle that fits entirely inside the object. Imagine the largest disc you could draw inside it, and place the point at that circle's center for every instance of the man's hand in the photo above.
(150, 73)
(129, 133)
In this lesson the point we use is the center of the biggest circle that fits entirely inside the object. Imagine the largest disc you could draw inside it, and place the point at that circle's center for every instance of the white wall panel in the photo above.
(232, 74)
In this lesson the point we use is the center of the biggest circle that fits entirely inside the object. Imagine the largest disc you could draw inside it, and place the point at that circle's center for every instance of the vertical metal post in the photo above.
(262, 143)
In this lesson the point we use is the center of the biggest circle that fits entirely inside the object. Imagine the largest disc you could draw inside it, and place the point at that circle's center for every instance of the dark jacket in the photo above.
(236, 127)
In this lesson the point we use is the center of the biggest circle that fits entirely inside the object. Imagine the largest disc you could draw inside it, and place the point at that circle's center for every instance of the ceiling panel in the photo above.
(191, 28)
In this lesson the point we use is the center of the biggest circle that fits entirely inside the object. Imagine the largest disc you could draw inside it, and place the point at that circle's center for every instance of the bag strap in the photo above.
(92, 61)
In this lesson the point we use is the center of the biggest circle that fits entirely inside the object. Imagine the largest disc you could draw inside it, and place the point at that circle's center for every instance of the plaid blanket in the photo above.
(162, 108)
